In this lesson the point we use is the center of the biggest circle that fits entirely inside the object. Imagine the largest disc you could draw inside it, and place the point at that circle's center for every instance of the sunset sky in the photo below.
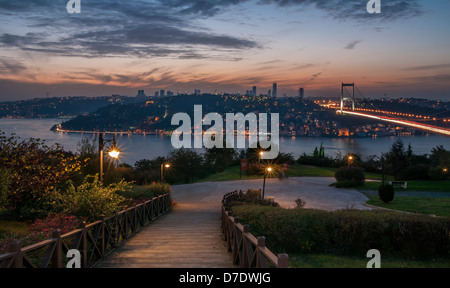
(118, 47)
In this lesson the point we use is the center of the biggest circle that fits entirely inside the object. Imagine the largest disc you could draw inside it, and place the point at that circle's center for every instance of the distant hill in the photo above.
(154, 116)
(62, 107)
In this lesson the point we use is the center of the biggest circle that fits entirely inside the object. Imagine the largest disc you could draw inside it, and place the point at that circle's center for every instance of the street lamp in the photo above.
(167, 166)
(268, 170)
(113, 152)
(383, 177)
(350, 160)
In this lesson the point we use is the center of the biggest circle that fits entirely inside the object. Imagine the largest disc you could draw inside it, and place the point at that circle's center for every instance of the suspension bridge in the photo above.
(385, 116)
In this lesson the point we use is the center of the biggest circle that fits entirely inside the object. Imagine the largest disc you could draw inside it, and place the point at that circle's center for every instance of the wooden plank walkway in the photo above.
(188, 237)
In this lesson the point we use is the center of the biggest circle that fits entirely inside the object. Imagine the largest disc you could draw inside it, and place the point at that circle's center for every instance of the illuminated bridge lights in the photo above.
(430, 128)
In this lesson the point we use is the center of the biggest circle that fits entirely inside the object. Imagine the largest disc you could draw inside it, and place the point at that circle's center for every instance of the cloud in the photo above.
(352, 45)
(443, 78)
(427, 67)
(339, 9)
(11, 66)
(150, 30)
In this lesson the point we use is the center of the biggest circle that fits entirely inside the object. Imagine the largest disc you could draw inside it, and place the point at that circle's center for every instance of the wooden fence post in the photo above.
(283, 261)
(57, 253)
(84, 249)
(16, 247)
(102, 233)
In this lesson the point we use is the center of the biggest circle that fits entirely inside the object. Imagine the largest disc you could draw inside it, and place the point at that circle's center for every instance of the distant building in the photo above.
(269, 93)
(275, 90)
(197, 92)
(254, 91)
(141, 93)
(162, 93)
(301, 93)
(169, 93)
(157, 94)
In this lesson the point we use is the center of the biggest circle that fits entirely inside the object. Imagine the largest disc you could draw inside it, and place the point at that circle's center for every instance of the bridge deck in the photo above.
(188, 237)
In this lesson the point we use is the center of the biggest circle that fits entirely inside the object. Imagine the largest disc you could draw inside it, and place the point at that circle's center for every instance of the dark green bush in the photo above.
(386, 193)
(146, 192)
(417, 172)
(4, 190)
(253, 194)
(353, 176)
(348, 231)
(439, 173)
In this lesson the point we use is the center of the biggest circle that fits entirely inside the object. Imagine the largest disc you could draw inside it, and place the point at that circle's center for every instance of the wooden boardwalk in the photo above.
(188, 237)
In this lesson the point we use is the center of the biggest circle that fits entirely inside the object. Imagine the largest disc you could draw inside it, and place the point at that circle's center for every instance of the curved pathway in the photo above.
(190, 235)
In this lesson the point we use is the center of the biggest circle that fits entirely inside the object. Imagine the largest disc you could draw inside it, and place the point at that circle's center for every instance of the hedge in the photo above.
(348, 231)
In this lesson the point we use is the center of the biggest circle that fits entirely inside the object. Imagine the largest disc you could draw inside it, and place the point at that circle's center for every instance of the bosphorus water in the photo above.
(137, 147)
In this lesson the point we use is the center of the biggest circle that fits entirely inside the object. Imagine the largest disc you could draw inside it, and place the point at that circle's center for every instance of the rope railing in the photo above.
(247, 251)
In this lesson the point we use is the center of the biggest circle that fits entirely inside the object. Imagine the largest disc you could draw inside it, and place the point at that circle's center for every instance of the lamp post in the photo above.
(383, 177)
(268, 170)
(167, 166)
(350, 160)
(113, 152)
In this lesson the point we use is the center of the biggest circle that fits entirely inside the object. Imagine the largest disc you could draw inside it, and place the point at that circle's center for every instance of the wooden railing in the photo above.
(94, 241)
(246, 250)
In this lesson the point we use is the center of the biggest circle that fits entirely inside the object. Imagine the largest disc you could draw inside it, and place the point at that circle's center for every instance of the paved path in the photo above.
(314, 190)
(190, 236)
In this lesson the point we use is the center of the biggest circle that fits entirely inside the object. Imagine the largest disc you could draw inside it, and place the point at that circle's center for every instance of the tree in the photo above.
(34, 170)
(187, 164)
(440, 157)
(397, 160)
(218, 159)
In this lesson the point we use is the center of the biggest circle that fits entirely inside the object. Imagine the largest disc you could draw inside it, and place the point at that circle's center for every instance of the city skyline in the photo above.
(118, 47)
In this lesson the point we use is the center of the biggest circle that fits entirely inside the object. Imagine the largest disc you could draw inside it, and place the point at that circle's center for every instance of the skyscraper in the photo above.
(254, 91)
(275, 90)
(141, 93)
(162, 93)
(301, 93)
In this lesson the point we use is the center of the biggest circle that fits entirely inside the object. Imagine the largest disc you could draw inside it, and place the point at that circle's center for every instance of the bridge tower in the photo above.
(343, 98)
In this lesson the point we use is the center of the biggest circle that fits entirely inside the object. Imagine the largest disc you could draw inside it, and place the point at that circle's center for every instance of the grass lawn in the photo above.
(337, 261)
(414, 185)
(232, 173)
(13, 226)
(305, 170)
(229, 174)
(422, 205)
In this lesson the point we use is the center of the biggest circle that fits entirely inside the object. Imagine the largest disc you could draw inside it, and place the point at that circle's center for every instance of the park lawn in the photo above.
(15, 227)
(414, 185)
(316, 260)
(314, 171)
(233, 173)
(422, 205)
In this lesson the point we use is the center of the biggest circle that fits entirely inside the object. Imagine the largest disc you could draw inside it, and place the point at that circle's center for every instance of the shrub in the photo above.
(34, 169)
(417, 172)
(386, 193)
(300, 203)
(4, 190)
(90, 200)
(351, 175)
(145, 192)
(43, 229)
(439, 173)
(253, 194)
(254, 197)
(348, 231)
